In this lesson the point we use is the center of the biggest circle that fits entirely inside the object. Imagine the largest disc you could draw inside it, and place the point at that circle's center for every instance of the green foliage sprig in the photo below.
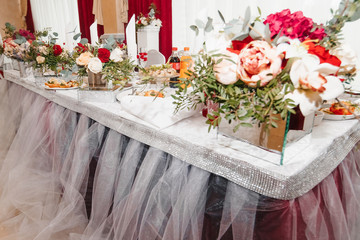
(118, 72)
(348, 11)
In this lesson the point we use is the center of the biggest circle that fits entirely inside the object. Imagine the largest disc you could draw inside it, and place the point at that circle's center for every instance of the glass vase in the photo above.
(271, 142)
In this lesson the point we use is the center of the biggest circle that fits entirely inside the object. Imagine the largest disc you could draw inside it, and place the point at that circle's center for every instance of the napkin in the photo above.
(94, 33)
(159, 112)
(131, 39)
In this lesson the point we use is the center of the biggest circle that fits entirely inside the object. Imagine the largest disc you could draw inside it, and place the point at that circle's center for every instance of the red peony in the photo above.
(293, 25)
(57, 50)
(103, 55)
(323, 54)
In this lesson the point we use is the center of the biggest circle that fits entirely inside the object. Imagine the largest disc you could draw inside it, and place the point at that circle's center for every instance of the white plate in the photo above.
(336, 117)
(352, 91)
(57, 88)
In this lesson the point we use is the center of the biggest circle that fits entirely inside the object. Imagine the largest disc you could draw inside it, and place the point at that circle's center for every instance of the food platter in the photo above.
(60, 88)
(328, 115)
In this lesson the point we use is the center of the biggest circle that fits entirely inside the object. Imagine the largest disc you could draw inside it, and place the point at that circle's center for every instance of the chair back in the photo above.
(155, 57)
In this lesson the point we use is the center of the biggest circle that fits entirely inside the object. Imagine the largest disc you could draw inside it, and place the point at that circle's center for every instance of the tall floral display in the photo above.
(273, 65)
(148, 28)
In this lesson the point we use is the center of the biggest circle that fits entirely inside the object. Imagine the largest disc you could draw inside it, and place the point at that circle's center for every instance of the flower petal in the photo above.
(298, 69)
(326, 68)
(334, 88)
(308, 100)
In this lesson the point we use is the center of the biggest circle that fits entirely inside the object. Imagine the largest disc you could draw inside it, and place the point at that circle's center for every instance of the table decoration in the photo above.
(148, 28)
(283, 62)
(15, 45)
(103, 64)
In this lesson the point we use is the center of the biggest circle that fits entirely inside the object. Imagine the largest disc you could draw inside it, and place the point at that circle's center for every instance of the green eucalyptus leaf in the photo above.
(209, 25)
(195, 29)
(84, 41)
(221, 16)
(246, 18)
(199, 23)
(258, 31)
(267, 33)
(77, 36)
(55, 34)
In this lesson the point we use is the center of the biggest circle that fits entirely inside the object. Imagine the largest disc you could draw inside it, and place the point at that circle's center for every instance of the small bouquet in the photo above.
(148, 19)
(16, 43)
(47, 55)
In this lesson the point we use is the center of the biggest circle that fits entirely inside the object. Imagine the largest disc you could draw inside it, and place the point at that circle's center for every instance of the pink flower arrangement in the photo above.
(294, 25)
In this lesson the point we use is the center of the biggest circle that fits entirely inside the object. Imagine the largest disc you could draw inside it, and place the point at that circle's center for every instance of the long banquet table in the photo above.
(80, 170)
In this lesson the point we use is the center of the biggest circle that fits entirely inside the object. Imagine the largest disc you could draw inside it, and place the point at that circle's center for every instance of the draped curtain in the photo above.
(60, 16)
(86, 17)
(165, 7)
(29, 18)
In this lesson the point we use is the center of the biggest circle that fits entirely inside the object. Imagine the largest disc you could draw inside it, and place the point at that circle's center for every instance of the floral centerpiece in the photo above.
(16, 43)
(110, 61)
(50, 57)
(148, 19)
(279, 62)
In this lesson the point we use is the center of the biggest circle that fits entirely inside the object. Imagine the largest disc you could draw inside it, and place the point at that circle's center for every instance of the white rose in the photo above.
(40, 59)
(116, 55)
(95, 65)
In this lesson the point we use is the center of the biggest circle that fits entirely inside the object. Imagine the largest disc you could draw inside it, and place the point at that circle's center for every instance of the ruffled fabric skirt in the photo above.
(65, 176)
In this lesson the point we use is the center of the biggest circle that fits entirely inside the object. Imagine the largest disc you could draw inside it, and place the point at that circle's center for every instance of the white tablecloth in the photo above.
(306, 162)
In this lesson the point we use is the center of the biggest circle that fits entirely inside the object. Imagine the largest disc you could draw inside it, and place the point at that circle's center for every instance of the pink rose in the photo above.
(225, 71)
(258, 61)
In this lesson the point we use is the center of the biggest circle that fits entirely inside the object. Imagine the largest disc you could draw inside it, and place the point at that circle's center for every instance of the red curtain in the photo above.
(86, 18)
(29, 19)
(164, 6)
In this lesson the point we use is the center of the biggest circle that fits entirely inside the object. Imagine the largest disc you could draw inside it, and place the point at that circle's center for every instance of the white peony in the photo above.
(95, 65)
(116, 55)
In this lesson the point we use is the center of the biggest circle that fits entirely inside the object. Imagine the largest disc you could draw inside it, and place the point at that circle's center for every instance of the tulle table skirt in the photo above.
(65, 176)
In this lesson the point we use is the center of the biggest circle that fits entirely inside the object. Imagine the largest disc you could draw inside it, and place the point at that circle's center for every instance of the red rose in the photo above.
(103, 55)
(323, 54)
(238, 45)
(57, 50)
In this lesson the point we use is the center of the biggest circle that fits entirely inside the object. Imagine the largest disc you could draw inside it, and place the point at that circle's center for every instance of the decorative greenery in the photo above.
(348, 11)
(118, 72)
